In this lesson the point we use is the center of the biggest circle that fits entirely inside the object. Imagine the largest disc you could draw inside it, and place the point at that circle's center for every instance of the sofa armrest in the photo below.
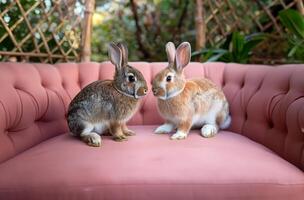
(267, 105)
(294, 147)
(32, 106)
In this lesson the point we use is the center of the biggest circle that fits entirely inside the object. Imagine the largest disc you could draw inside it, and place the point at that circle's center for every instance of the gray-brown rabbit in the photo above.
(108, 105)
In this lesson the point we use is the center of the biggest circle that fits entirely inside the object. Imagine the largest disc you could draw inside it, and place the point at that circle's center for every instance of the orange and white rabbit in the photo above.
(185, 103)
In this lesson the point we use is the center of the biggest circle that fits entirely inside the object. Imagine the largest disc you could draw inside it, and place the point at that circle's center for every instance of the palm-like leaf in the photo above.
(293, 21)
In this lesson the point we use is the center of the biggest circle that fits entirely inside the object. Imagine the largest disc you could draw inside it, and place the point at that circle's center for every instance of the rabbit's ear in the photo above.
(170, 49)
(183, 55)
(124, 50)
(115, 55)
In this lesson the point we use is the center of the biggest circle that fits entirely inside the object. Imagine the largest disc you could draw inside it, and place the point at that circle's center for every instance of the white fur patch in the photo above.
(179, 135)
(165, 128)
(162, 97)
(100, 128)
(175, 93)
(94, 127)
(87, 130)
(162, 85)
(199, 120)
(209, 130)
(226, 123)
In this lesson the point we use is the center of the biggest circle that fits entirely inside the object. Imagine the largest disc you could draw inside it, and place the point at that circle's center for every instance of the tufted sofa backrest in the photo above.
(266, 103)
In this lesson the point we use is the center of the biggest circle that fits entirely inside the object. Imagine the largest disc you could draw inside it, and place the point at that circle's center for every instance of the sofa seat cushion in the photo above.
(151, 166)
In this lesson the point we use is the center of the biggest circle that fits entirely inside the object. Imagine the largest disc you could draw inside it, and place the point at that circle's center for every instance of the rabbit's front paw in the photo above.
(179, 135)
(128, 132)
(165, 128)
(120, 138)
(209, 130)
(92, 139)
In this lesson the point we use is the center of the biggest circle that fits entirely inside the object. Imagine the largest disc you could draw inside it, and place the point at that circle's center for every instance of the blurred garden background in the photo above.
(242, 31)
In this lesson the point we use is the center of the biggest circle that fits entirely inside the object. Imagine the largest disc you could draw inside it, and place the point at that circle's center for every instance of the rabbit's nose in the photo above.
(142, 91)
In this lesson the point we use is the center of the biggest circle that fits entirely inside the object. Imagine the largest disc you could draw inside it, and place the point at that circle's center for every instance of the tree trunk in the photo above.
(200, 27)
(87, 30)
(300, 6)
(178, 29)
(138, 31)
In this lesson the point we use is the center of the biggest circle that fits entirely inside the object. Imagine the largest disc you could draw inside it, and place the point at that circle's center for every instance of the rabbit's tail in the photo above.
(226, 123)
(75, 125)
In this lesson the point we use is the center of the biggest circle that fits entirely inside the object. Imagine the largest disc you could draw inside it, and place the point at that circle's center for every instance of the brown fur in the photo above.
(108, 104)
(184, 126)
(117, 131)
(104, 87)
(127, 131)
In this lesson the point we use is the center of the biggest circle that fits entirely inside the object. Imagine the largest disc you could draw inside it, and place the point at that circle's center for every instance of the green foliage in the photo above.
(209, 55)
(294, 22)
(49, 28)
(11, 17)
(236, 48)
(160, 21)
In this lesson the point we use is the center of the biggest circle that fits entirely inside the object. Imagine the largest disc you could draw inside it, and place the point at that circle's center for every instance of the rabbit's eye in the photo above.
(131, 78)
(169, 78)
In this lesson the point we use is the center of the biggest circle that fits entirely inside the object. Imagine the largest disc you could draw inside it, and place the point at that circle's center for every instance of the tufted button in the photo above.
(288, 87)
(79, 83)
(246, 116)
(243, 84)
(43, 84)
(223, 82)
(16, 87)
(270, 124)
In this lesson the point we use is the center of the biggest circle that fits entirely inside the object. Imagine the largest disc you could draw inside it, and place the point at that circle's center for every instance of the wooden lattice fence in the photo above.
(52, 31)
(45, 31)
(222, 17)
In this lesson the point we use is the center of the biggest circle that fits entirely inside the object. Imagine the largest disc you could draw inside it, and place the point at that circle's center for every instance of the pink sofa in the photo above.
(261, 155)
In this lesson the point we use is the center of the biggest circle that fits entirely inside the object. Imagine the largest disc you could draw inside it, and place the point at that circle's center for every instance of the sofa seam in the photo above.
(250, 98)
(298, 120)
(44, 88)
(287, 131)
(38, 72)
(5, 115)
(270, 111)
(21, 109)
(170, 184)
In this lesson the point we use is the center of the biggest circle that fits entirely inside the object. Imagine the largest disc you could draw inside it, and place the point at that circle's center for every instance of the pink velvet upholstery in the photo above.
(266, 103)
(151, 166)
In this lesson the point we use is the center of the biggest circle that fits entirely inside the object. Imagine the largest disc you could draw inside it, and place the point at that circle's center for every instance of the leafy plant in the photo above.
(294, 22)
(236, 48)
(157, 22)
(209, 55)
